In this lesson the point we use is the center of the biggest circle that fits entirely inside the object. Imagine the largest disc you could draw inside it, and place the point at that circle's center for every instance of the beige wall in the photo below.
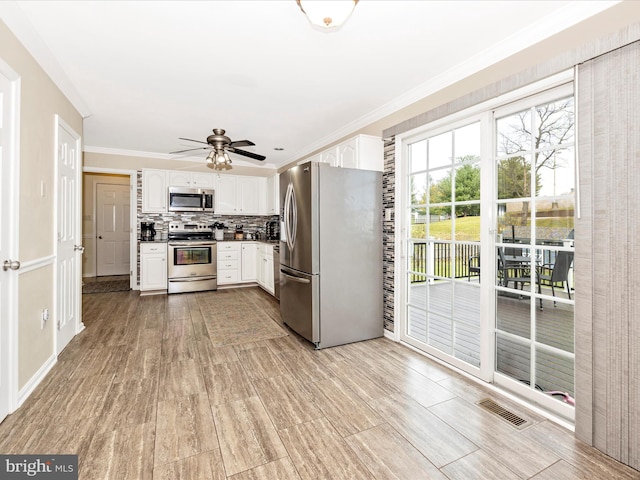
(40, 101)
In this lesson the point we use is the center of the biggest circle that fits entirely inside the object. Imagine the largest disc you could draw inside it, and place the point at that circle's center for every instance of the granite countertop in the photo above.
(262, 240)
(164, 240)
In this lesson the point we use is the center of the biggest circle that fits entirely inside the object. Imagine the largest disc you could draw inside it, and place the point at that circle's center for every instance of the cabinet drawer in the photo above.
(228, 276)
(228, 247)
(153, 248)
(228, 265)
(224, 256)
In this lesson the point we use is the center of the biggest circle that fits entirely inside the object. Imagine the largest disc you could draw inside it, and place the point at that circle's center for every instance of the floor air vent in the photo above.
(503, 413)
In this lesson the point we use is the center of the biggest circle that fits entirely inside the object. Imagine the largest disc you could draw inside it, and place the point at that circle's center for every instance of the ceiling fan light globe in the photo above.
(327, 14)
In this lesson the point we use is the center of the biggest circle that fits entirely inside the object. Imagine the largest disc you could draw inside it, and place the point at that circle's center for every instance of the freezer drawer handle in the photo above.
(295, 279)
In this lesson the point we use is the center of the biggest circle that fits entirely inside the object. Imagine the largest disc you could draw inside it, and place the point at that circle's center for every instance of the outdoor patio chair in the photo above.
(555, 274)
(474, 266)
(509, 271)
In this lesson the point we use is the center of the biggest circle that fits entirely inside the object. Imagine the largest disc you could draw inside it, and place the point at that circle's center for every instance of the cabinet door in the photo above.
(247, 196)
(202, 180)
(260, 272)
(273, 203)
(154, 191)
(348, 154)
(269, 283)
(249, 262)
(225, 194)
(179, 179)
(330, 156)
(153, 271)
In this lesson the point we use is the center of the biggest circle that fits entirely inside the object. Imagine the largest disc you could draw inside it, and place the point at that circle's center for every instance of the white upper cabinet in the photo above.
(225, 199)
(365, 152)
(234, 194)
(330, 156)
(191, 179)
(238, 195)
(272, 202)
(248, 195)
(154, 191)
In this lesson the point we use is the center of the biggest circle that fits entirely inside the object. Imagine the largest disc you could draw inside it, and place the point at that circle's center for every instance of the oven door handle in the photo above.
(191, 244)
(193, 279)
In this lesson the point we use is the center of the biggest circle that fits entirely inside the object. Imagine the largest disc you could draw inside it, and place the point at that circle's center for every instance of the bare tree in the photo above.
(538, 136)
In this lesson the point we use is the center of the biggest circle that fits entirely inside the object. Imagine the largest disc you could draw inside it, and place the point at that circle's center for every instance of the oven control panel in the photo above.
(185, 227)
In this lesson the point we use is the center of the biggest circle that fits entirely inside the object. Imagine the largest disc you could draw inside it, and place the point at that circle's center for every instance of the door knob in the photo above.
(78, 248)
(100, 237)
(10, 265)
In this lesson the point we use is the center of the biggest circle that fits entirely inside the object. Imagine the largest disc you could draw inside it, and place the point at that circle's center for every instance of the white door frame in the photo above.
(133, 182)
(11, 168)
(79, 325)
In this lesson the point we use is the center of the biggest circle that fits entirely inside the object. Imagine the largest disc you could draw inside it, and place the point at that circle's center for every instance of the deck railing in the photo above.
(442, 255)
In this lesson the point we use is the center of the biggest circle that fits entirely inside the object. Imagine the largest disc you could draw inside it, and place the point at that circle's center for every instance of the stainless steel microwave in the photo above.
(185, 199)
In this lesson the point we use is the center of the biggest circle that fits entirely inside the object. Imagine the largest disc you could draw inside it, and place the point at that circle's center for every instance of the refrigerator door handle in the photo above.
(294, 278)
(294, 206)
(287, 217)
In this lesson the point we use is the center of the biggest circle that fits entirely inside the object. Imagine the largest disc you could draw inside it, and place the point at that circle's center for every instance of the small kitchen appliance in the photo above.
(147, 231)
(183, 199)
(239, 235)
(218, 230)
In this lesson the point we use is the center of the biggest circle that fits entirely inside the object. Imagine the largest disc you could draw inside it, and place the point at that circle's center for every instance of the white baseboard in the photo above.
(34, 381)
(390, 335)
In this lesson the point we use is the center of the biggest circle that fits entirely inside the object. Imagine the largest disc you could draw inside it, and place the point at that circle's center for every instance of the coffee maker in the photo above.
(147, 231)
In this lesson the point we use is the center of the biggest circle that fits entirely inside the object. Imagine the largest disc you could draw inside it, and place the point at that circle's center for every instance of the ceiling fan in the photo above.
(219, 145)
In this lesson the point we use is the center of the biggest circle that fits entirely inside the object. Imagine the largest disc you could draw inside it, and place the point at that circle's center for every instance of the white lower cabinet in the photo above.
(246, 262)
(228, 262)
(265, 267)
(249, 261)
(153, 267)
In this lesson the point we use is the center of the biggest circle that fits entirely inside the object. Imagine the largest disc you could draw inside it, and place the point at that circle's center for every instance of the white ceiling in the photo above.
(145, 73)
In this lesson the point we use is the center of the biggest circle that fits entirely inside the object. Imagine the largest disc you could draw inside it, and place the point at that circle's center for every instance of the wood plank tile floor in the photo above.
(212, 386)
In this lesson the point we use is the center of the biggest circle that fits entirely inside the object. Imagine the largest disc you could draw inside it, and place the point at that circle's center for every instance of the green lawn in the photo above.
(467, 229)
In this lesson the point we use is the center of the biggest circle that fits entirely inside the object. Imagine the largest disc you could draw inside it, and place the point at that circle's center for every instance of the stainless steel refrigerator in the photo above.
(331, 253)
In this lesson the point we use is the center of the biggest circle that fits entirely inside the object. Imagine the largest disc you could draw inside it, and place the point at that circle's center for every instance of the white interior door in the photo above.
(69, 251)
(8, 242)
(113, 229)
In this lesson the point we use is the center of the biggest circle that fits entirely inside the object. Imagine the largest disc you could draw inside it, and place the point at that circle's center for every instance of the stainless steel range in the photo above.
(192, 258)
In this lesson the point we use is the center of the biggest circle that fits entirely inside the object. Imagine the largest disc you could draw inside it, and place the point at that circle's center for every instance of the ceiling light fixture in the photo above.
(327, 14)
(218, 159)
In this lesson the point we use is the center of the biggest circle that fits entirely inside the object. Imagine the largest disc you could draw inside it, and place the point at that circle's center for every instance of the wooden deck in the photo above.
(554, 326)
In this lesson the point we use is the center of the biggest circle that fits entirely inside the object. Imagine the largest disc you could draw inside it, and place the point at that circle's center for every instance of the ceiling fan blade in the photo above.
(192, 140)
(189, 150)
(242, 143)
(244, 153)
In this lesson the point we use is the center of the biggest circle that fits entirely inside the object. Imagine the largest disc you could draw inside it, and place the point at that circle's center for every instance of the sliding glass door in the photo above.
(535, 199)
(487, 208)
(443, 244)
